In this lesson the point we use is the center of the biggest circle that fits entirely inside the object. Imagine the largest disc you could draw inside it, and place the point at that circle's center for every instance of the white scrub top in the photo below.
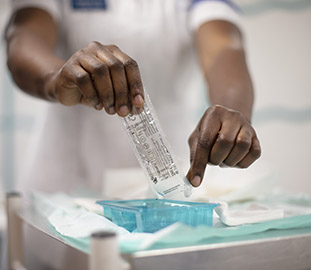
(77, 144)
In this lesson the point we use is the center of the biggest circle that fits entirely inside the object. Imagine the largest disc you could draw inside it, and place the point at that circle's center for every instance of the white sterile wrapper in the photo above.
(155, 155)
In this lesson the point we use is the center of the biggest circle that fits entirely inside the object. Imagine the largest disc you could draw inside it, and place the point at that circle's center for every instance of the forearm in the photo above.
(223, 62)
(31, 59)
(100, 76)
(229, 82)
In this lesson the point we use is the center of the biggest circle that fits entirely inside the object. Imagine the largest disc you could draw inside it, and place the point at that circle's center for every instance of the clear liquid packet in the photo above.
(154, 154)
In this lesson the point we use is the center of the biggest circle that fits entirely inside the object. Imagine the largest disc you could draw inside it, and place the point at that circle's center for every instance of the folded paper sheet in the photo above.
(254, 213)
(70, 220)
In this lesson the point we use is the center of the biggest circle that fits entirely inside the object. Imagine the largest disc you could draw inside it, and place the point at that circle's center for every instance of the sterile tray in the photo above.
(151, 215)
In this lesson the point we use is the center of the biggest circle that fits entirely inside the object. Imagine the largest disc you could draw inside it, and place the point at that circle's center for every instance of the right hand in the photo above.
(223, 137)
(102, 77)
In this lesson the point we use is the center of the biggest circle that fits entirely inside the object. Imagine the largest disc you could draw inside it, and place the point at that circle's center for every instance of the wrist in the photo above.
(49, 86)
(50, 80)
(246, 112)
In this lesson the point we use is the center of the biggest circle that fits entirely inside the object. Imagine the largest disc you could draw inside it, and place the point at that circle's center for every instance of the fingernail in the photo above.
(138, 100)
(196, 181)
(99, 106)
(138, 110)
(112, 110)
(124, 110)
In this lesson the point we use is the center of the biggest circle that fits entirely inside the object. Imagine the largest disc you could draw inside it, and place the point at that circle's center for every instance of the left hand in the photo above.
(223, 137)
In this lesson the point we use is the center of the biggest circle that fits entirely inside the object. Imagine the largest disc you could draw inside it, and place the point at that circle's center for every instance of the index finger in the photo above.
(133, 76)
(208, 135)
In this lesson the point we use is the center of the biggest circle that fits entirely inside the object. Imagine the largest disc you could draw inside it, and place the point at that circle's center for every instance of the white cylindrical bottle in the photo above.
(104, 252)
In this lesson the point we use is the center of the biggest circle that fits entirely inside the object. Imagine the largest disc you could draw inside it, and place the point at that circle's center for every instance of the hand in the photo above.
(102, 77)
(223, 137)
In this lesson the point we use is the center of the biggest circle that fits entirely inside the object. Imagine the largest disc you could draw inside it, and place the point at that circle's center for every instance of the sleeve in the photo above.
(50, 6)
(202, 11)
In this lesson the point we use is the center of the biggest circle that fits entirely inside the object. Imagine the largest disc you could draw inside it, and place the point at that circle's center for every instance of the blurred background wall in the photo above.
(278, 42)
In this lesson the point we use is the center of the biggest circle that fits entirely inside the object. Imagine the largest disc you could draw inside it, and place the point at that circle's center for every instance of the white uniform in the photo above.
(77, 144)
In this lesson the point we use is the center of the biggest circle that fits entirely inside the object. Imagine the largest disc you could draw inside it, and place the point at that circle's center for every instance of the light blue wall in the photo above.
(278, 38)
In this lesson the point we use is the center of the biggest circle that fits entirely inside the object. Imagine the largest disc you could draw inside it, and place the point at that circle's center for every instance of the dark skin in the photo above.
(104, 77)
(97, 75)
(224, 136)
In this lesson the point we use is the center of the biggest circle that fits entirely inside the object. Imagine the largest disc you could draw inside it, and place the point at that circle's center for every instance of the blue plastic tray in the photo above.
(151, 215)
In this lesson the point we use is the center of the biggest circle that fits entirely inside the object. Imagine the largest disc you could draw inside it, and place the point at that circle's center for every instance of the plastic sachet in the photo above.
(154, 154)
